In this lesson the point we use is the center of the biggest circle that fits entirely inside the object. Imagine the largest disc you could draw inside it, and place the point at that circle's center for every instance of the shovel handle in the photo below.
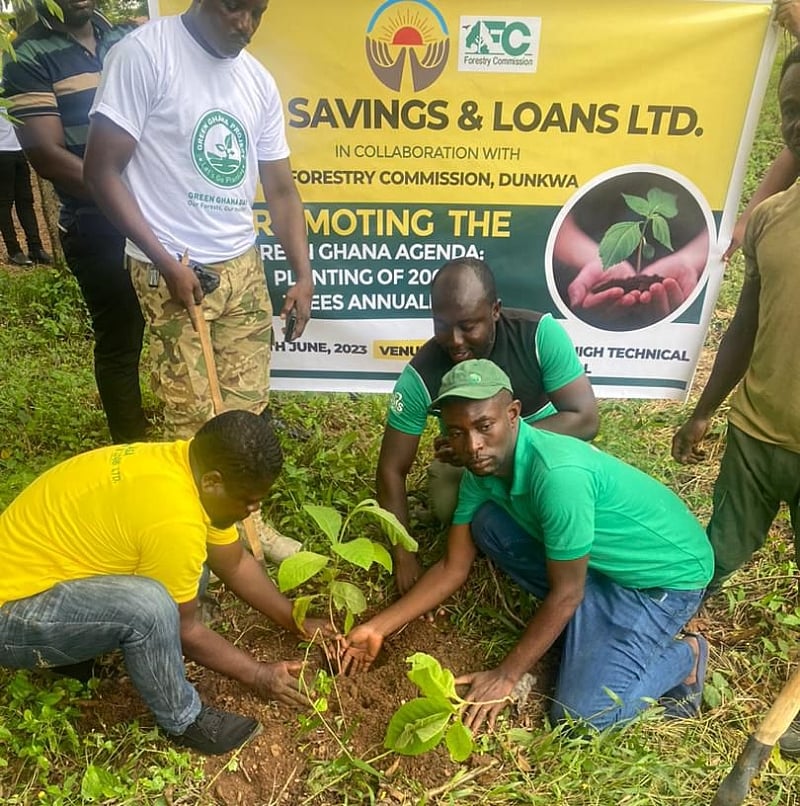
(736, 785)
(208, 357)
(250, 531)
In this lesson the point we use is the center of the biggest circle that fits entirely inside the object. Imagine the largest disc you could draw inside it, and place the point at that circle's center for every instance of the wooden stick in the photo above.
(736, 785)
(250, 531)
(208, 357)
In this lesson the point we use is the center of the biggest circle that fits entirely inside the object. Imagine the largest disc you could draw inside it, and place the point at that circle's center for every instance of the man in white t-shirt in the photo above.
(184, 124)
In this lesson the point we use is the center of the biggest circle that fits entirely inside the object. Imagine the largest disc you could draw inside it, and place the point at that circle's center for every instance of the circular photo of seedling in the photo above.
(630, 248)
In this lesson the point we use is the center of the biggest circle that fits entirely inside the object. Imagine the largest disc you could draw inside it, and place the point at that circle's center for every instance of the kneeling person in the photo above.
(617, 559)
(470, 322)
(106, 550)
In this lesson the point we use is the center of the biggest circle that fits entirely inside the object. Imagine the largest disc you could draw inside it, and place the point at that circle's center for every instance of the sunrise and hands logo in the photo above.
(407, 38)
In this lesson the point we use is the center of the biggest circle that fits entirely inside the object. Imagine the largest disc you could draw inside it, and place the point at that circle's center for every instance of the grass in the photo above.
(49, 410)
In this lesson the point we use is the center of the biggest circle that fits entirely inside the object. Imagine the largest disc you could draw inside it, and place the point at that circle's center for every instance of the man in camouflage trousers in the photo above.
(174, 162)
(239, 316)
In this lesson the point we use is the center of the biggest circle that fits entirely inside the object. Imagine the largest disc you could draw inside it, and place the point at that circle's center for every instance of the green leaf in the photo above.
(98, 784)
(637, 204)
(395, 531)
(349, 620)
(648, 251)
(299, 568)
(663, 203)
(432, 680)
(360, 552)
(327, 518)
(382, 557)
(347, 596)
(661, 231)
(364, 766)
(459, 741)
(228, 141)
(712, 696)
(416, 727)
(300, 609)
(619, 242)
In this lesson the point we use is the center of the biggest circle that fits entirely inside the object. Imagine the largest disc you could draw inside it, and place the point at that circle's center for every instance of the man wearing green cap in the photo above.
(618, 561)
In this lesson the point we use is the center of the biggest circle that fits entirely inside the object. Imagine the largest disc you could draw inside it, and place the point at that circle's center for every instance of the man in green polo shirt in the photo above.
(617, 559)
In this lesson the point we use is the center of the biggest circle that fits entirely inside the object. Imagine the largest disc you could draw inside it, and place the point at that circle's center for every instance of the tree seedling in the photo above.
(342, 597)
(420, 724)
(623, 239)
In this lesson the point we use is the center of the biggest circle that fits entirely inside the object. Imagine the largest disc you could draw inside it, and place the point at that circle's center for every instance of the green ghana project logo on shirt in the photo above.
(219, 149)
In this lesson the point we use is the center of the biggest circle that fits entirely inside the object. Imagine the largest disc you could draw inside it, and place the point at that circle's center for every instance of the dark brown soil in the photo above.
(640, 282)
(275, 767)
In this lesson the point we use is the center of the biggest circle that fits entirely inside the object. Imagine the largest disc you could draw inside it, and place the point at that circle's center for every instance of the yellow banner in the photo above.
(427, 130)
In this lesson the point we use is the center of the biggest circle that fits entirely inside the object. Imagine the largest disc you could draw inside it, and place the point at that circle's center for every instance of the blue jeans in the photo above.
(619, 640)
(80, 619)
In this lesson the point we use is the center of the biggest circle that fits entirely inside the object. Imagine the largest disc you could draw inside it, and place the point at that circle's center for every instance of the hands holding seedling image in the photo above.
(641, 267)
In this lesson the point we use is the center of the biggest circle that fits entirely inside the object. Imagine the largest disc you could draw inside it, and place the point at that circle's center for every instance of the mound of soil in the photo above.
(275, 767)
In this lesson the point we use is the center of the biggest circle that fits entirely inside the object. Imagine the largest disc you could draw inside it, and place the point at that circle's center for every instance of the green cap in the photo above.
(476, 379)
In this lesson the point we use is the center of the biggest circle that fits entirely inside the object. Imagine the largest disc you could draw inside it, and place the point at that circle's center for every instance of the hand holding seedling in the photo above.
(314, 628)
(280, 681)
(679, 272)
(361, 648)
(298, 302)
(489, 693)
(586, 290)
(686, 442)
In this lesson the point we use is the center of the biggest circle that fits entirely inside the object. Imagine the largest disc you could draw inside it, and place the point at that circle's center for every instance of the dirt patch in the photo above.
(286, 763)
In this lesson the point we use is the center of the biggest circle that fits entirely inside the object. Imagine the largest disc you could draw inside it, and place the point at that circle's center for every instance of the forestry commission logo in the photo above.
(499, 44)
(219, 149)
(407, 42)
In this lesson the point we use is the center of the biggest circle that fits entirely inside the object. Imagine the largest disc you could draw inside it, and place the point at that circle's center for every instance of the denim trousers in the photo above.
(80, 619)
(620, 649)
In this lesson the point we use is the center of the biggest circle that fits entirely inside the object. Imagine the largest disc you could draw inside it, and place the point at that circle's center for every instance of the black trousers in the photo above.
(16, 191)
(95, 253)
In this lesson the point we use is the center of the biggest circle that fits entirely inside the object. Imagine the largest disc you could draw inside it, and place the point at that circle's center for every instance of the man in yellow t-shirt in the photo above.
(106, 550)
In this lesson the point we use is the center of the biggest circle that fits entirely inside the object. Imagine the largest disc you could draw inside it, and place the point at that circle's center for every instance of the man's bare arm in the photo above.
(730, 365)
(577, 411)
(288, 222)
(108, 150)
(397, 454)
(42, 140)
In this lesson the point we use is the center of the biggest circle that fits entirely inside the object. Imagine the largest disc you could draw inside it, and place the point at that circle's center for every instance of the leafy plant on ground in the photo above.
(45, 758)
(420, 724)
(624, 238)
(342, 596)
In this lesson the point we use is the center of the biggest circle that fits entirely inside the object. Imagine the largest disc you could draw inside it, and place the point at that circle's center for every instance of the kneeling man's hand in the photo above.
(361, 648)
(280, 681)
(318, 628)
(489, 693)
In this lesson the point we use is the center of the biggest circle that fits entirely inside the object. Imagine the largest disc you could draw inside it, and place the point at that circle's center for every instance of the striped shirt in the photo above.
(53, 74)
